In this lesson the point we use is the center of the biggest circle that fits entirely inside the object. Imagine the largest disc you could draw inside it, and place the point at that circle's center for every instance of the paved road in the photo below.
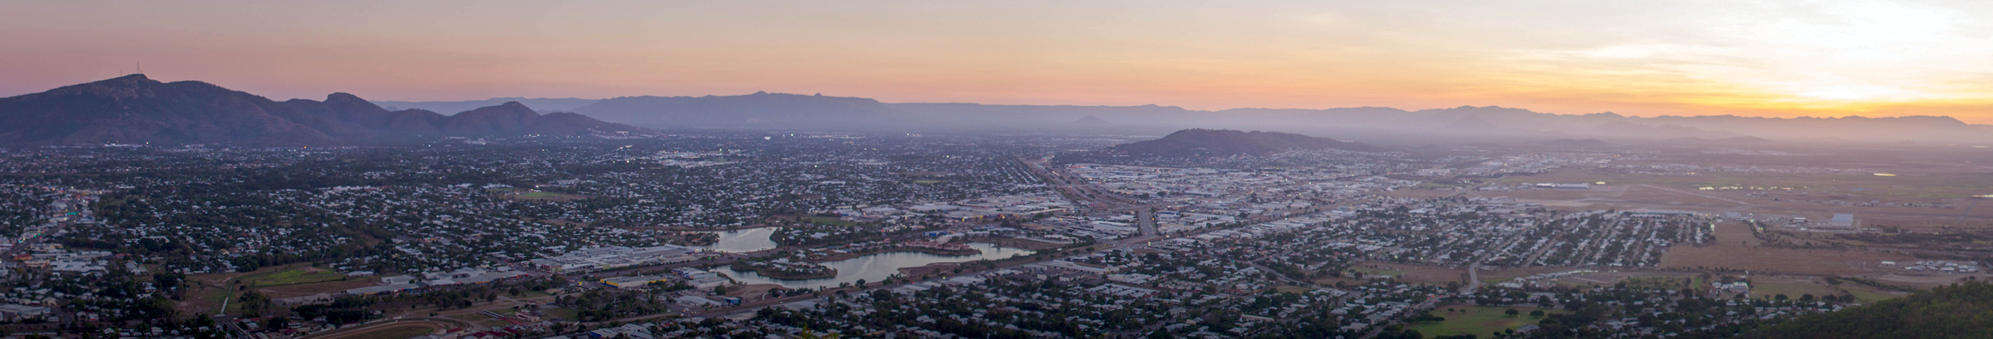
(1968, 210)
(385, 323)
(1146, 219)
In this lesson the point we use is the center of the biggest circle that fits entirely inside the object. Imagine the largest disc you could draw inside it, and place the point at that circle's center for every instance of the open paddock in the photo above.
(1737, 250)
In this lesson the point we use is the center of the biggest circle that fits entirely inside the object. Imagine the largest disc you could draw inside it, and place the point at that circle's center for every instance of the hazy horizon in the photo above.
(1822, 59)
(492, 101)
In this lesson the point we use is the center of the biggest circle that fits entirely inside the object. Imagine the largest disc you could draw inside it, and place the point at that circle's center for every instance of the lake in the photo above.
(743, 241)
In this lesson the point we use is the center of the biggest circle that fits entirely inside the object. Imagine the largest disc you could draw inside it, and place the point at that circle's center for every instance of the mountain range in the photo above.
(542, 105)
(775, 110)
(136, 109)
(758, 109)
(817, 111)
(1210, 142)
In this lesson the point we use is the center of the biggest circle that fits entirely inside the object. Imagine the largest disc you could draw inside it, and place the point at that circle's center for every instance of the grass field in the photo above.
(1477, 320)
(290, 276)
(210, 298)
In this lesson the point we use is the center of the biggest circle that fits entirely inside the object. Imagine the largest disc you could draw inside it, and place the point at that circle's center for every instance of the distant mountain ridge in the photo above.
(136, 109)
(542, 105)
(758, 109)
(1210, 142)
(817, 111)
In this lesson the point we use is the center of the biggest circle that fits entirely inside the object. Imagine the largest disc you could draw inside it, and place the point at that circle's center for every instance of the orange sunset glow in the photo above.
(1641, 58)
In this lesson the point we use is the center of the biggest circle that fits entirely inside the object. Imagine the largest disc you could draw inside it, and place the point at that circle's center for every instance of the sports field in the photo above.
(290, 276)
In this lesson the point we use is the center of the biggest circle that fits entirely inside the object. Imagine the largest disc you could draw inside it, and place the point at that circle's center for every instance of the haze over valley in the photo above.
(1018, 169)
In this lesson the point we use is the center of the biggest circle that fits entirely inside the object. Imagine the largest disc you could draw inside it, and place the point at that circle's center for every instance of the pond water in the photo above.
(743, 241)
(876, 267)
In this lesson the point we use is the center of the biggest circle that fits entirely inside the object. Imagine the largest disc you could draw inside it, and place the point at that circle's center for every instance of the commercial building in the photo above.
(612, 257)
(17, 312)
(1842, 220)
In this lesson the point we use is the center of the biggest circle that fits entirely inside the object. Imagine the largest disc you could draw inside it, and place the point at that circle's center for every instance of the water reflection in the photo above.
(743, 241)
(875, 268)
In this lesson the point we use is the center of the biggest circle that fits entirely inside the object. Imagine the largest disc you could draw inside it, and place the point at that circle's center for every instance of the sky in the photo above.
(1643, 58)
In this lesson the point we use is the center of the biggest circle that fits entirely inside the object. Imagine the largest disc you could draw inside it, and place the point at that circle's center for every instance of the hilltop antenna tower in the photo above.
(140, 67)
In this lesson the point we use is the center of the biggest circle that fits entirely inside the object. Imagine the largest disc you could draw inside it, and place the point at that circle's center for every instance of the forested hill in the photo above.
(1963, 310)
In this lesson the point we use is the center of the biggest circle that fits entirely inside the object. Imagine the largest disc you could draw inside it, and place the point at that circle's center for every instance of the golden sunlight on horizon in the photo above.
(1642, 58)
